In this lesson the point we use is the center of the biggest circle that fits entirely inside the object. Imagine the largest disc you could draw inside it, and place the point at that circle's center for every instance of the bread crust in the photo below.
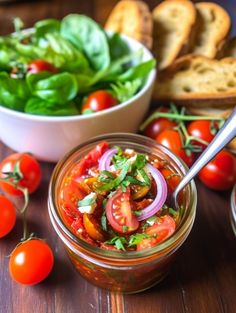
(190, 81)
(211, 29)
(170, 36)
(132, 18)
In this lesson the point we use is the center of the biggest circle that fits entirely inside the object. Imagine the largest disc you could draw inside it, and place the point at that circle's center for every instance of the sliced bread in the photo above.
(198, 81)
(228, 49)
(211, 28)
(132, 18)
(173, 21)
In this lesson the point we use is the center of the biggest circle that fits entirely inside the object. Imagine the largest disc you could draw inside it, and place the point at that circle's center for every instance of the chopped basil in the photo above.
(104, 222)
(137, 238)
(144, 176)
(118, 242)
(173, 212)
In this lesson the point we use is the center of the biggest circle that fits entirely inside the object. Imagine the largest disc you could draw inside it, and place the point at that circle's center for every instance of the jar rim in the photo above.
(185, 224)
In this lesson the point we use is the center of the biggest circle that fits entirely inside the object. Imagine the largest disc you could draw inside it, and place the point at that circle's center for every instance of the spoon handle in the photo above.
(224, 136)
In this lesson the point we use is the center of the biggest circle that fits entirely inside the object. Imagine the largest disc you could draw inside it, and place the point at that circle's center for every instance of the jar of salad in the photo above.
(110, 204)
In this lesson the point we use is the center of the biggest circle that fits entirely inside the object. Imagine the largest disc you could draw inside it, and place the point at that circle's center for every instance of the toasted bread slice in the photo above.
(198, 81)
(211, 28)
(228, 49)
(132, 18)
(173, 21)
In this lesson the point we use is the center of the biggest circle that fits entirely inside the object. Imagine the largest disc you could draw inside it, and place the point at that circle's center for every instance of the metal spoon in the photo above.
(224, 136)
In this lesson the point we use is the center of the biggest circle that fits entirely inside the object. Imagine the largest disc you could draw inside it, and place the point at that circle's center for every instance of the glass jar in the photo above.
(129, 271)
(233, 209)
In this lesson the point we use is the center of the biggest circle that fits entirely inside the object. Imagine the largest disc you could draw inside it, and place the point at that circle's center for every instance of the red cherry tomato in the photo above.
(7, 216)
(171, 139)
(37, 66)
(99, 100)
(158, 125)
(119, 212)
(200, 130)
(29, 168)
(31, 262)
(163, 228)
(90, 160)
(220, 173)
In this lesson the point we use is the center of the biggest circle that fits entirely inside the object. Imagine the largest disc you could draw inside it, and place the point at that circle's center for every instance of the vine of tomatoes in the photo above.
(187, 136)
(32, 259)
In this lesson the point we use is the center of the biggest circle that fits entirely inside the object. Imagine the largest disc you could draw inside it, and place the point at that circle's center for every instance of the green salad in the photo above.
(53, 68)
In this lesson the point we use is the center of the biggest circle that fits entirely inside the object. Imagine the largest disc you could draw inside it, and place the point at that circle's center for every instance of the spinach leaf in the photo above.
(39, 106)
(54, 88)
(137, 71)
(89, 37)
(13, 92)
(46, 26)
(118, 47)
(63, 54)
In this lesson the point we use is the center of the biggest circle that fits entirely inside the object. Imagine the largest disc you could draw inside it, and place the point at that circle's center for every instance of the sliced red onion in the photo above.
(161, 195)
(105, 160)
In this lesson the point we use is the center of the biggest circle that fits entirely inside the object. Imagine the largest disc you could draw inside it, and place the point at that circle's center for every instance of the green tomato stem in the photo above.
(178, 117)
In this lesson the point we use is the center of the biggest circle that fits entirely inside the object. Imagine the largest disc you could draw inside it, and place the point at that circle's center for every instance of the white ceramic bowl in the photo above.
(49, 138)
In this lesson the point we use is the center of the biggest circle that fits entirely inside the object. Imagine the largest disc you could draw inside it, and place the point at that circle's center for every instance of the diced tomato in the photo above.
(163, 228)
(119, 212)
(90, 160)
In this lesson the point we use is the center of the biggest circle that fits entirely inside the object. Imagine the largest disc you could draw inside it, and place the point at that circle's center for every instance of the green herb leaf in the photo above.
(90, 199)
(118, 242)
(138, 238)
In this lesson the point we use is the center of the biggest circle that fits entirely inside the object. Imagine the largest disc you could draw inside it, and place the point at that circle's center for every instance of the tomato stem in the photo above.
(175, 115)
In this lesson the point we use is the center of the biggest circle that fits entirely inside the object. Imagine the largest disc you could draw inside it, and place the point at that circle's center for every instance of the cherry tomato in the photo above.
(171, 139)
(158, 125)
(31, 262)
(29, 168)
(37, 66)
(90, 160)
(163, 228)
(99, 100)
(119, 212)
(220, 173)
(92, 227)
(70, 195)
(201, 130)
(7, 216)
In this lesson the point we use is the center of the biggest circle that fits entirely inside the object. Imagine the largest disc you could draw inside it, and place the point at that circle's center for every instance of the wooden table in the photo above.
(203, 279)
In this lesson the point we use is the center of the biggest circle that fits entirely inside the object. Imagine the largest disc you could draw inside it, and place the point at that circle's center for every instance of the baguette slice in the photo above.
(228, 49)
(198, 81)
(132, 18)
(173, 21)
(211, 29)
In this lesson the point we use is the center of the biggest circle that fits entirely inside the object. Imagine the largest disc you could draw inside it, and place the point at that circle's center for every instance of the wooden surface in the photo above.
(203, 279)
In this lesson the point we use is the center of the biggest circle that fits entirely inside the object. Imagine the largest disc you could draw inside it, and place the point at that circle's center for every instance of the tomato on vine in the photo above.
(31, 262)
(7, 216)
(201, 130)
(171, 139)
(220, 173)
(19, 170)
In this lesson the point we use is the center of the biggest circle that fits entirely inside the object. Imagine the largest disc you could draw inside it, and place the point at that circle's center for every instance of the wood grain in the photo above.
(203, 279)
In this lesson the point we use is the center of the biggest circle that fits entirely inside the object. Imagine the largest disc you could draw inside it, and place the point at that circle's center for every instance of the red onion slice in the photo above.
(161, 195)
(105, 160)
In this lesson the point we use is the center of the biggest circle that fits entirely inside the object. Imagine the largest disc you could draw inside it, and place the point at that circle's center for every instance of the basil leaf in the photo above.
(46, 26)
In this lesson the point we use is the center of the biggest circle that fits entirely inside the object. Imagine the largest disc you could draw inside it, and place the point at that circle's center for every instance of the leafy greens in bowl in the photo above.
(78, 57)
